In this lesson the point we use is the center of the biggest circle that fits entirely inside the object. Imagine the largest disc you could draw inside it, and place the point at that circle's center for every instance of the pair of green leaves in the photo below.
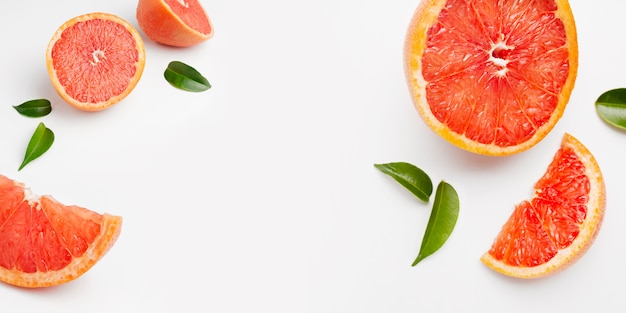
(611, 106)
(445, 209)
(43, 137)
(185, 77)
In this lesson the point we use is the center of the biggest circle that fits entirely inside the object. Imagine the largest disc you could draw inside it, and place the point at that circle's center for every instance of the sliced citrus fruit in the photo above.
(95, 60)
(491, 77)
(179, 23)
(44, 243)
(559, 223)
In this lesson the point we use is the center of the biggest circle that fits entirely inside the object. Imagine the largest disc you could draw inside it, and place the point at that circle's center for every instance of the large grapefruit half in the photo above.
(491, 77)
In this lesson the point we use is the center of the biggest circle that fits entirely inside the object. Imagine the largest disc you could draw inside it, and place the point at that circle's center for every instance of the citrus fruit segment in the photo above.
(44, 243)
(559, 223)
(179, 23)
(491, 77)
(95, 60)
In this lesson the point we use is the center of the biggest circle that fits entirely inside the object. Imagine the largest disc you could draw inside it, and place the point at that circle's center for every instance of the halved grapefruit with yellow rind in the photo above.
(95, 60)
(491, 77)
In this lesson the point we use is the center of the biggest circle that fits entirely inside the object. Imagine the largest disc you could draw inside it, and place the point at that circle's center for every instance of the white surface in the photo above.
(260, 194)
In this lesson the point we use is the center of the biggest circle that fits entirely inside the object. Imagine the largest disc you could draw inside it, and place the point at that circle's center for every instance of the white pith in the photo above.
(502, 63)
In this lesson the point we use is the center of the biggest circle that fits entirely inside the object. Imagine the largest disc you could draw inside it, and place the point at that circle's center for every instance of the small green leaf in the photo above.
(442, 221)
(34, 108)
(39, 143)
(611, 106)
(409, 176)
(185, 77)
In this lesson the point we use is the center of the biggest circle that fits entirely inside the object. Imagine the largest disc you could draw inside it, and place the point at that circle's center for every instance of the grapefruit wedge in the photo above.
(95, 60)
(44, 243)
(491, 77)
(553, 229)
(178, 23)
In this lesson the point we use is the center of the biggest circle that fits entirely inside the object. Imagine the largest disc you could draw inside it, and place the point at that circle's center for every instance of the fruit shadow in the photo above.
(615, 129)
(72, 287)
(522, 282)
(470, 160)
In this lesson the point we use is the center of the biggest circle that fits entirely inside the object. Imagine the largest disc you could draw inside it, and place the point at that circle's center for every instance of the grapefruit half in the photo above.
(95, 60)
(491, 77)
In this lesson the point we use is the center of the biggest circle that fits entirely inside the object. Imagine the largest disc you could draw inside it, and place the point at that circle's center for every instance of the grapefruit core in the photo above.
(491, 77)
(95, 60)
(44, 243)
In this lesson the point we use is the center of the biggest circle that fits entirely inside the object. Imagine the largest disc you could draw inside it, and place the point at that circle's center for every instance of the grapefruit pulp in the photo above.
(559, 223)
(95, 60)
(44, 243)
(491, 77)
(178, 23)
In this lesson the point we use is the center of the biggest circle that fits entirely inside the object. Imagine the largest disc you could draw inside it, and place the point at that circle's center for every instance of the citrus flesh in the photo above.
(491, 77)
(44, 243)
(557, 226)
(178, 23)
(95, 60)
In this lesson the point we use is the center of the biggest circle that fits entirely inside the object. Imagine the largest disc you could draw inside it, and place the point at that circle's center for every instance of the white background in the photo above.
(260, 194)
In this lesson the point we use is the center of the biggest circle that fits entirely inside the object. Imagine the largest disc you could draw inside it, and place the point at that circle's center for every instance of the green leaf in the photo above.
(409, 176)
(39, 143)
(34, 108)
(185, 77)
(611, 106)
(442, 221)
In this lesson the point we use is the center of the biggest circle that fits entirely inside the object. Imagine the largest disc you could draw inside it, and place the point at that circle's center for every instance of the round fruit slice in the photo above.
(179, 23)
(45, 243)
(95, 60)
(558, 225)
(491, 77)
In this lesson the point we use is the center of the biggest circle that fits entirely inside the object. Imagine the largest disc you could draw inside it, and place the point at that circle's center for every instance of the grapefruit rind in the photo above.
(111, 228)
(139, 64)
(588, 229)
(162, 25)
(424, 17)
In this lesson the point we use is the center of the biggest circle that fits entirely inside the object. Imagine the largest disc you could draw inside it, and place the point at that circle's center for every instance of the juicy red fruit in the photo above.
(40, 248)
(551, 220)
(88, 58)
(491, 74)
(41, 235)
